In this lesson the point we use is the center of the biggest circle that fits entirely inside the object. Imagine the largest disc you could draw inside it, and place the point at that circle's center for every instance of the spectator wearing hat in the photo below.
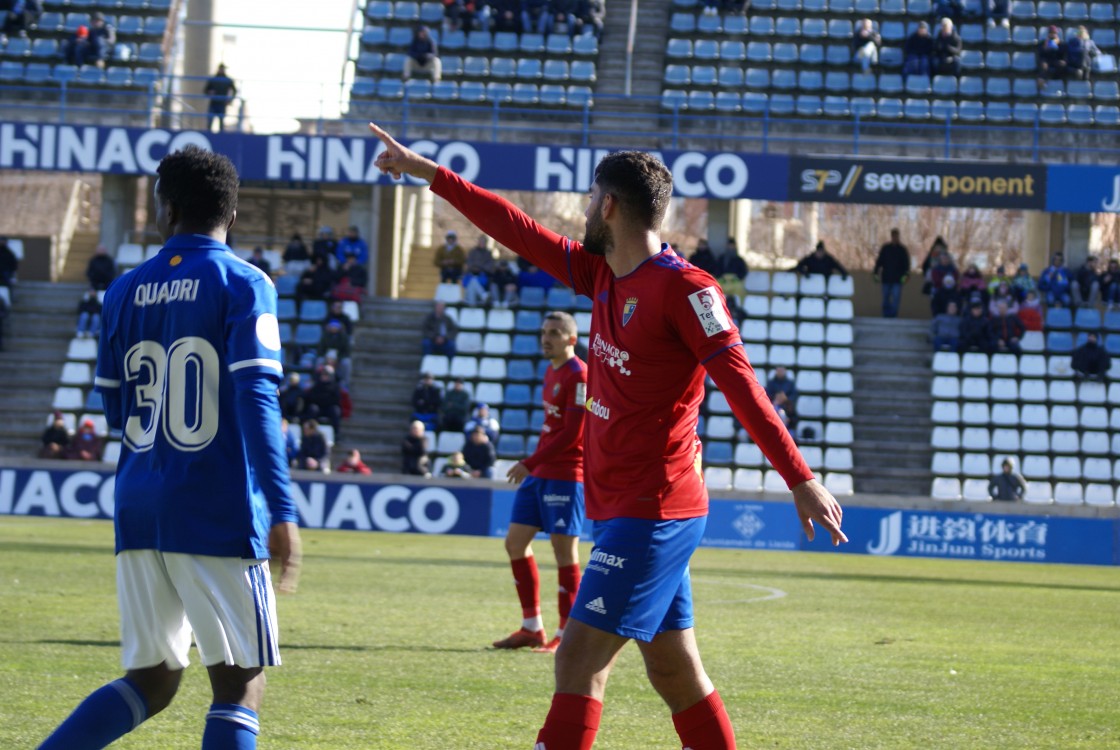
(423, 55)
(1090, 361)
(1051, 57)
(353, 464)
(334, 339)
(438, 332)
(1054, 282)
(450, 259)
(976, 333)
(55, 439)
(479, 453)
(917, 51)
(1022, 282)
(455, 407)
(221, 89)
(1008, 484)
(337, 313)
(101, 269)
(325, 246)
(78, 47)
(86, 445)
(102, 39)
(89, 316)
(353, 245)
(426, 400)
(1081, 54)
(482, 419)
(1086, 284)
(821, 262)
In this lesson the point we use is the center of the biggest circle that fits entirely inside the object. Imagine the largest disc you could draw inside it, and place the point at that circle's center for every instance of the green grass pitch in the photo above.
(385, 647)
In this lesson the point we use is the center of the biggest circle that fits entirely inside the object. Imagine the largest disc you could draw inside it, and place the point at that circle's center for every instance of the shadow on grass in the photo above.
(54, 547)
(403, 648)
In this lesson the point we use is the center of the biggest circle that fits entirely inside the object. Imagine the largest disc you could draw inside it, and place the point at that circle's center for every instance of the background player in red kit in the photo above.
(551, 493)
(657, 324)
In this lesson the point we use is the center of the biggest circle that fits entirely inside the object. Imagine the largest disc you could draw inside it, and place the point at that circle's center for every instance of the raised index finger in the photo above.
(387, 139)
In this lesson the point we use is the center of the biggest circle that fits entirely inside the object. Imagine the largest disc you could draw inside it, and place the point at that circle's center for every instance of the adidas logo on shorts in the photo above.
(597, 605)
(560, 523)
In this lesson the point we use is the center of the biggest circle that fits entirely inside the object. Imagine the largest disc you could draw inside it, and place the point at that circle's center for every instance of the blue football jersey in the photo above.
(188, 365)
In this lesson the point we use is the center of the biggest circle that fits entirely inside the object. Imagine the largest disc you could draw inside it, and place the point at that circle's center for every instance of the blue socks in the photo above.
(230, 727)
(108, 713)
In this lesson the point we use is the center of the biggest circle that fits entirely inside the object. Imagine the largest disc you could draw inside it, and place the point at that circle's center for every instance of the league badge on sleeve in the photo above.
(628, 309)
(709, 311)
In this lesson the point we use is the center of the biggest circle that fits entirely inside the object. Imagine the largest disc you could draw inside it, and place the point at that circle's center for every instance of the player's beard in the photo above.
(597, 238)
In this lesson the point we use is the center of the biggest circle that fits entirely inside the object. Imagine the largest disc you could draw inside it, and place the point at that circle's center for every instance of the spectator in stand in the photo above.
(291, 439)
(503, 285)
(291, 398)
(316, 282)
(1055, 283)
(476, 285)
(781, 382)
(450, 259)
(423, 55)
(820, 261)
(481, 256)
(704, 259)
(86, 445)
(426, 400)
(535, 17)
(9, 263)
(334, 339)
(1023, 282)
(414, 451)
(55, 439)
(257, 259)
(952, 9)
(350, 281)
(1086, 284)
(947, 48)
(533, 276)
(102, 40)
(439, 332)
(1110, 284)
(945, 329)
(1030, 312)
(562, 17)
(1007, 330)
(976, 333)
(938, 247)
(18, 15)
(353, 245)
(1081, 54)
(325, 246)
(947, 295)
(78, 48)
(865, 45)
(483, 420)
(505, 15)
(352, 464)
(1000, 277)
(479, 453)
(323, 400)
(89, 316)
(3, 317)
(459, 14)
(1009, 484)
(941, 268)
(1003, 293)
(731, 262)
(1090, 361)
(297, 258)
(455, 408)
(313, 449)
(592, 16)
(1051, 57)
(916, 53)
(892, 269)
(999, 12)
(101, 269)
(973, 283)
(337, 313)
(221, 89)
(456, 467)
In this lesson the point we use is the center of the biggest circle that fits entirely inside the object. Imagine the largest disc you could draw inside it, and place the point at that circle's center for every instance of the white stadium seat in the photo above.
(1005, 415)
(463, 366)
(837, 459)
(974, 389)
(810, 407)
(1094, 418)
(783, 307)
(1039, 493)
(975, 465)
(76, 373)
(784, 283)
(974, 363)
(811, 308)
(945, 488)
(68, 399)
(976, 490)
(492, 368)
(468, 342)
(1032, 366)
(449, 442)
(82, 350)
(841, 287)
(772, 482)
(500, 320)
(112, 452)
(945, 463)
(1004, 389)
(437, 364)
(757, 282)
(718, 477)
(946, 387)
(946, 438)
(1065, 441)
(946, 363)
(1036, 467)
(748, 480)
(1004, 365)
(838, 358)
(1099, 495)
(496, 344)
(813, 285)
(450, 293)
(839, 310)
(839, 334)
(488, 393)
(1068, 493)
(974, 413)
(756, 307)
(748, 454)
(472, 318)
(839, 483)
(976, 439)
(1006, 440)
(130, 254)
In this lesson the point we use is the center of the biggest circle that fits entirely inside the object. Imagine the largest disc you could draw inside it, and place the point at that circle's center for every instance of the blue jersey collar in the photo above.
(194, 242)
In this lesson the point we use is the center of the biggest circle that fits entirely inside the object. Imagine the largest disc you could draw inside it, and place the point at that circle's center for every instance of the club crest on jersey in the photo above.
(555, 388)
(709, 311)
(628, 309)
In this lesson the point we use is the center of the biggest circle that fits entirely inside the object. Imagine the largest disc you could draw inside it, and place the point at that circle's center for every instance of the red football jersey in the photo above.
(653, 332)
(559, 454)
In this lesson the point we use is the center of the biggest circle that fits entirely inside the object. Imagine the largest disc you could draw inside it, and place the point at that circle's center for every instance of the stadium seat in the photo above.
(945, 463)
(1068, 493)
(82, 350)
(976, 439)
(747, 480)
(945, 488)
(976, 490)
(1099, 495)
(945, 412)
(718, 477)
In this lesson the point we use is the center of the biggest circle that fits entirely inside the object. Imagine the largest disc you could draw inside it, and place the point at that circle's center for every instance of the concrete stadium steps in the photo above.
(36, 336)
(892, 375)
(82, 247)
(422, 275)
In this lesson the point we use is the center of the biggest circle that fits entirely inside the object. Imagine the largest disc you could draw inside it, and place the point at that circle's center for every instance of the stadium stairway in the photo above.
(36, 335)
(420, 284)
(82, 247)
(892, 452)
(386, 358)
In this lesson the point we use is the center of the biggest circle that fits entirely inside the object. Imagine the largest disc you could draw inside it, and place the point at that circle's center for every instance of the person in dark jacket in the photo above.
(323, 400)
(9, 263)
(455, 408)
(865, 45)
(438, 332)
(820, 261)
(479, 454)
(505, 15)
(1009, 484)
(917, 51)
(943, 297)
(221, 89)
(976, 333)
(55, 439)
(426, 400)
(731, 262)
(947, 48)
(892, 268)
(102, 39)
(1051, 53)
(89, 316)
(315, 282)
(101, 269)
(414, 451)
(291, 398)
(704, 258)
(945, 329)
(312, 454)
(1081, 53)
(1090, 361)
(1007, 330)
(423, 55)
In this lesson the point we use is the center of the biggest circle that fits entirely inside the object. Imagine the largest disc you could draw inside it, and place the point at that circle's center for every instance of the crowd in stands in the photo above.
(84, 445)
(571, 17)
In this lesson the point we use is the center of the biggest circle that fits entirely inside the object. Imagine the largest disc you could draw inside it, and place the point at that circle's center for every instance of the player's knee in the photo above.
(158, 685)
(239, 685)
(566, 549)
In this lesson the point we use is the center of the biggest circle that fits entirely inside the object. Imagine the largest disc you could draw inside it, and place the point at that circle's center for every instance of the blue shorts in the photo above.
(554, 506)
(636, 583)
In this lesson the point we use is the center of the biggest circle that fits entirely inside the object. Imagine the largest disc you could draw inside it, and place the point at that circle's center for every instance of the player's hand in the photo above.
(517, 473)
(285, 546)
(815, 503)
(398, 160)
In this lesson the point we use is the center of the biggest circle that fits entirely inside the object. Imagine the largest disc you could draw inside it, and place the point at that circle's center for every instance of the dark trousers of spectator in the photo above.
(915, 66)
(450, 275)
(15, 24)
(447, 348)
(892, 298)
(217, 114)
(949, 66)
(944, 343)
(1100, 377)
(1011, 347)
(1111, 295)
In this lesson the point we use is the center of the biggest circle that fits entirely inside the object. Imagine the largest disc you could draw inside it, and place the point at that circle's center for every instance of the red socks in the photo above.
(528, 583)
(705, 725)
(572, 723)
(569, 584)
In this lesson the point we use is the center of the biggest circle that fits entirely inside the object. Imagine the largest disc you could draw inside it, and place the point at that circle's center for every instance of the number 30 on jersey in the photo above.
(176, 393)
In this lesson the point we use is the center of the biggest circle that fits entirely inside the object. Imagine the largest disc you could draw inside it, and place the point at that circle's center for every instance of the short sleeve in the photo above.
(699, 312)
(253, 332)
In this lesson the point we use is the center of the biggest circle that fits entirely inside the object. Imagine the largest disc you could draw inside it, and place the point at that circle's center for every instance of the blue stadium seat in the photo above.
(527, 321)
(757, 78)
(997, 112)
(971, 34)
(50, 22)
(499, 92)
(756, 102)
(453, 41)
(814, 28)
(557, 70)
(586, 45)
(730, 77)
(89, 75)
(837, 55)
(676, 48)
(1024, 36)
(1106, 115)
(286, 285)
(916, 86)
(583, 71)
(531, 44)
(703, 75)
(525, 93)
(890, 109)
(892, 7)
(782, 104)
(1079, 114)
(40, 72)
(515, 420)
(503, 67)
(705, 49)
(971, 111)
(682, 23)
(285, 333)
(1112, 321)
(510, 446)
(864, 106)
(837, 81)
(1023, 10)
(717, 452)
(810, 80)
(517, 394)
(1087, 319)
(418, 89)
(893, 32)
(674, 99)
(758, 51)
(972, 87)
(784, 80)
(1079, 89)
(785, 53)
(536, 419)
(1106, 91)
(445, 91)
(532, 296)
(580, 96)
(155, 26)
(812, 54)
(44, 49)
(916, 109)
(313, 310)
(890, 57)
(944, 86)
(763, 26)
(472, 91)
(525, 345)
(10, 70)
(521, 370)
(150, 53)
(560, 298)
(1052, 114)
(701, 100)
(505, 41)
(370, 62)
(728, 101)
(374, 36)
(308, 334)
(400, 37)
(1000, 88)
(476, 67)
(94, 401)
(709, 25)
(480, 41)
(431, 13)
(867, 7)
(74, 20)
(808, 105)
(379, 10)
(840, 29)
(973, 60)
(1022, 62)
(837, 106)
(559, 45)
(942, 109)
(18, 47)
(732, 51)
(998, 35)
(286, 308)
(786, 26)
(891, 83)
(1059, 342)
(390, 88)
(1049, 11)
(1102, 12)
(1025, 112)
(864, 83)
(1021, 88)
(407, 11)
(64, 74)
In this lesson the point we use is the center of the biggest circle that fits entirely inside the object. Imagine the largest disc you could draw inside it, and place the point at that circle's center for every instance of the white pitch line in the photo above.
(771, 592)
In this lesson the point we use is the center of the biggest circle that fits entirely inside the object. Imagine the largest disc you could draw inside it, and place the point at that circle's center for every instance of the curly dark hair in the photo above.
(641, 184)
(201, 185)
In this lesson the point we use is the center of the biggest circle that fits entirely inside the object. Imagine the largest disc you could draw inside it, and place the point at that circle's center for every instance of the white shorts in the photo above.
(226, 601)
